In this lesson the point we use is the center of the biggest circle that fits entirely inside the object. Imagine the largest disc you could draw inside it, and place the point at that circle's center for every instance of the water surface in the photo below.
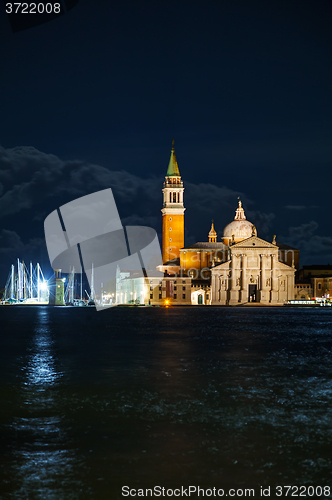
(228, 397)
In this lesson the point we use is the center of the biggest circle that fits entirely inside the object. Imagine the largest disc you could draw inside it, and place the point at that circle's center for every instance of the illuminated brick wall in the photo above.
(173, 236)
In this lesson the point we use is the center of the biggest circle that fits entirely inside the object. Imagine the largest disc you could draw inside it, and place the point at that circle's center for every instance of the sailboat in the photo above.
(25, 285)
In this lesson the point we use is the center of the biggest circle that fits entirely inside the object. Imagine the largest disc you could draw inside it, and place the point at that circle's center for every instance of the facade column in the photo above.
(290, 287)
(214, 292)
(274, 278)
(223, 288)
(264, 294)
(234, 293)
(244, 288)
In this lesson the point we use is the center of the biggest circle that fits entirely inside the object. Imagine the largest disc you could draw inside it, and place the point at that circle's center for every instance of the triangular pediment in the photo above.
(254, 242)
(284, 267)
(224, 265)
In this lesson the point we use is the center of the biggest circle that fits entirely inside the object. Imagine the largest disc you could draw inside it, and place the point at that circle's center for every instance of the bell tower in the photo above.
(173, 211)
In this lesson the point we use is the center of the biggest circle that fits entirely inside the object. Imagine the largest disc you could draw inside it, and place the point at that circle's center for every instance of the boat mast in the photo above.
(81, 282)
(31, 291)
(69, 286)
(38, 283)
(92, 284)
(19, 284)
(24, 281)
(71, 290)
(12, 283)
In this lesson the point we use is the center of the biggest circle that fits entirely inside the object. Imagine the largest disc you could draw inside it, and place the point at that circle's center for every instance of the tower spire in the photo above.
(212, 234)
(173, 169)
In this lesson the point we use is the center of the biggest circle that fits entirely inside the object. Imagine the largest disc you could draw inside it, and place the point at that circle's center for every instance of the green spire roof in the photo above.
(173, 169)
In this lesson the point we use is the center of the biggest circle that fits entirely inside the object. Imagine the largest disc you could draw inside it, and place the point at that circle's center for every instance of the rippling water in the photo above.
(149, 396)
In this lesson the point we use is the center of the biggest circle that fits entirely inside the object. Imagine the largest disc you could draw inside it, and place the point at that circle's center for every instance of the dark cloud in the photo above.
(314, 249)
(303, 232)
(295, 207)
(47, 181)
(138, 220)
(10, 242)
(43, 177)
(211, 198)
(262, 221)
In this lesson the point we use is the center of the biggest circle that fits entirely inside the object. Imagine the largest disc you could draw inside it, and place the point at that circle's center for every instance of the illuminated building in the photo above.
(173, 212)
(240, 269)
(57, 289)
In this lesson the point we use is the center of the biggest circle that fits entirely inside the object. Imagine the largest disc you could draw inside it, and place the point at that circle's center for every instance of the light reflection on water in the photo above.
(40, 369)
(220, 397)
(42, 455)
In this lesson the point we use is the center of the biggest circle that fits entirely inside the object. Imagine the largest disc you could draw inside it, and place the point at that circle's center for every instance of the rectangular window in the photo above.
(151, 287)
(183, 288)
(174, 287)
(319, 286)
(207, 296)
(160, 295)
(151, 295)
(183, 295)
(175, 295)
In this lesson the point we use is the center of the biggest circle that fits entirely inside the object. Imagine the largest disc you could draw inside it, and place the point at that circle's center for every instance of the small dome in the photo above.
(239, 229)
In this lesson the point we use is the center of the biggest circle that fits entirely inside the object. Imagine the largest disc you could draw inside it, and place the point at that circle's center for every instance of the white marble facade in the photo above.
(253, 273)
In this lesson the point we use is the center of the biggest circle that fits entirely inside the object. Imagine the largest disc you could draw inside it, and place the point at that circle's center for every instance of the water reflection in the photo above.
(40, 367)
(44, 464)
(221, 397)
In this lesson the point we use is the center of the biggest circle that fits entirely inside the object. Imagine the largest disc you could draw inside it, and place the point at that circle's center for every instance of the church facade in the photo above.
(252, 274)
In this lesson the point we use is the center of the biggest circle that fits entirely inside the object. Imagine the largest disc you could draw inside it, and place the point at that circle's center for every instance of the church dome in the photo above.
(239, 229)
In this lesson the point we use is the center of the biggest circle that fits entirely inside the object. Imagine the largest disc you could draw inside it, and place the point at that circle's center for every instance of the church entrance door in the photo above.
(252, 295)
(200, 299)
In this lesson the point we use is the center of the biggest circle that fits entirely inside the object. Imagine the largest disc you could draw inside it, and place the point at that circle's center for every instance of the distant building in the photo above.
(303, 290)
(153, 291)
(319, 277)
(57, 289)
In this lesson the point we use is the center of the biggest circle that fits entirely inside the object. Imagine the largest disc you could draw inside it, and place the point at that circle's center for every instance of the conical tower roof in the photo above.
(173, 169)
(212, 232)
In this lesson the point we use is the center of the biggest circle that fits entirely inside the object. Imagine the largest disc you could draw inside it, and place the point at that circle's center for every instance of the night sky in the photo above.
(93, 99)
